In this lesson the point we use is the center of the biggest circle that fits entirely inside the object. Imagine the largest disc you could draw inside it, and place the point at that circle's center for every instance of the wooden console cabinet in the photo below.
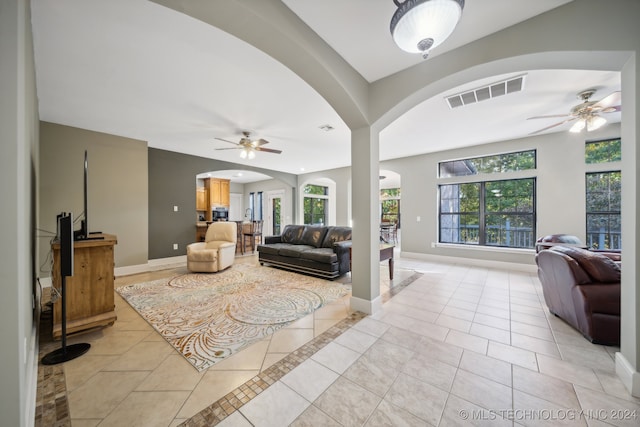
(89, 292)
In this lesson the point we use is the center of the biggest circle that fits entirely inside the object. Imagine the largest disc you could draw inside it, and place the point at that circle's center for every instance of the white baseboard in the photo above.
(527, 268)
(152, 265)
(629, 376)
(365, 306)
(32, 378)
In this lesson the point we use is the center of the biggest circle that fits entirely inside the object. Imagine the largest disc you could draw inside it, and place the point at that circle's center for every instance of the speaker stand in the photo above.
(65, 353)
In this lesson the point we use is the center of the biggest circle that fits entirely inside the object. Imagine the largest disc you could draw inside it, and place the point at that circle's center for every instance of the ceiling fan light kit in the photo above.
(248, 147)
(418, 26)
(591, 123)
(587, 114)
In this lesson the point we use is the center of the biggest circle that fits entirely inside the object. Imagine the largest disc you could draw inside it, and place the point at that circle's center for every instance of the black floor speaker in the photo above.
(65, 236)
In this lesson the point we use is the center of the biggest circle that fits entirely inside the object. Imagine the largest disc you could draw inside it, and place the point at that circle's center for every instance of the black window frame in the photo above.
(611, 141)
(610, 235)
(469, 166)
(483, 213)
(315, 196)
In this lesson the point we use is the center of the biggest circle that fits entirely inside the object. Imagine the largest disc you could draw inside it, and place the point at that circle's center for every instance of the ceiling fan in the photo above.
(587, 113)
(248, 146)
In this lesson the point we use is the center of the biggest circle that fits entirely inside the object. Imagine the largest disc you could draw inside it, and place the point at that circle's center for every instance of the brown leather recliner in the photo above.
(582, 287)
(551, 240)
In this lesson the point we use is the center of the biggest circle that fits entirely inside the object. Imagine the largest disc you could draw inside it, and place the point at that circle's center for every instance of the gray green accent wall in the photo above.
(117, 188)
(172, 182)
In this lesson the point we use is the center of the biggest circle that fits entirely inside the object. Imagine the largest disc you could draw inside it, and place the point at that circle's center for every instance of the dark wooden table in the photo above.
(386, 252)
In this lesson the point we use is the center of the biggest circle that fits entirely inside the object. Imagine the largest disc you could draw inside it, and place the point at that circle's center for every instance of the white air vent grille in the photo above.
(515, 84)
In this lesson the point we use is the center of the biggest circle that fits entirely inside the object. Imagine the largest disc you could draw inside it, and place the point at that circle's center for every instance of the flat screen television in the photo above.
(83, 233)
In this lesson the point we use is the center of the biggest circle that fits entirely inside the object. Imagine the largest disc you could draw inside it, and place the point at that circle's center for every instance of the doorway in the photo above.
(274, 221)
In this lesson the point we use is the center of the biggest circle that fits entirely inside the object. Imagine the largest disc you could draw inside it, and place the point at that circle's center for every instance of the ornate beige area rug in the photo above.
(208, 317)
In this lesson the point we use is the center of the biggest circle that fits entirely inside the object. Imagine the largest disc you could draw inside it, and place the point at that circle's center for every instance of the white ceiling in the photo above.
(137, 69)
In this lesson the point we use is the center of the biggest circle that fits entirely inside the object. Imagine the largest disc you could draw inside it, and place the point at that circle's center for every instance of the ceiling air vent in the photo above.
(514, 84)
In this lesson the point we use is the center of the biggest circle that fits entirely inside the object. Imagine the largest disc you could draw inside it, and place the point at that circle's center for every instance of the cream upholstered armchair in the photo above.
(218, 250)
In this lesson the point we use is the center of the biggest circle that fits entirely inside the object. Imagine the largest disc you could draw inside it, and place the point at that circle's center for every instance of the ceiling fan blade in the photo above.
(553, 125)
(609, 101)
(230, 148)
(613, 109)
(268, 150)
(230, 142)
(548, 117)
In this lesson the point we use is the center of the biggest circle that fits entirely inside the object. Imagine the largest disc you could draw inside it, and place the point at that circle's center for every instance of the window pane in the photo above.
(390, 193)
(459, 219)
(603, 210)
(469, 229)
(390, 211)
(316, 189)
(499, 163)
(315, 210)
(603, 151)
(515, 231)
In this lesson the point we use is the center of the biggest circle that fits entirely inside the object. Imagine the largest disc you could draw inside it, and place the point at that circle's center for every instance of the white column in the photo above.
(628, 359)
(365, 272)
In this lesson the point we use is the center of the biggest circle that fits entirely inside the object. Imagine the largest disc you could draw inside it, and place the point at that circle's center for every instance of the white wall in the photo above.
(271, 185)
(19, 160)
(560, 191)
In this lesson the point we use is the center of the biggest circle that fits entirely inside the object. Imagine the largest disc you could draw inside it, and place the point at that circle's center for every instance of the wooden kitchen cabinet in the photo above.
(224, 193)
(202, 199)
(219, 192)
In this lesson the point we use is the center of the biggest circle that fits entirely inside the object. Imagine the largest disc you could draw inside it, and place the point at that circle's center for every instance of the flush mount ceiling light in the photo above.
(420, 25)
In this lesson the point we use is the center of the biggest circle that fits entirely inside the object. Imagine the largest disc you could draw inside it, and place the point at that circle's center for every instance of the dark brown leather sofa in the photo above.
(582, 287)
(318, 250)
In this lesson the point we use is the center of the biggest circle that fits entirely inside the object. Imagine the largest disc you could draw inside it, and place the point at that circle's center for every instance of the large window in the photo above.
(603, 197)
(316, 204)
(489, 213)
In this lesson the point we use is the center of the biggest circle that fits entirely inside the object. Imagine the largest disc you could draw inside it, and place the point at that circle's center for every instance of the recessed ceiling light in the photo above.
(326, 128)
(301, 169)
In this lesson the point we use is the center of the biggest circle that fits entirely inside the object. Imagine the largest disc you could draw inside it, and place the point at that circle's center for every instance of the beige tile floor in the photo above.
(459, 346)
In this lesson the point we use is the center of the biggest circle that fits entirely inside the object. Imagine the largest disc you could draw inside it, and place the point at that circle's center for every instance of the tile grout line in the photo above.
(234, 400)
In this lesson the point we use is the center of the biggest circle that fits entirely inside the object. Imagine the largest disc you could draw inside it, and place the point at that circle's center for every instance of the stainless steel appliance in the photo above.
(220, 214)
